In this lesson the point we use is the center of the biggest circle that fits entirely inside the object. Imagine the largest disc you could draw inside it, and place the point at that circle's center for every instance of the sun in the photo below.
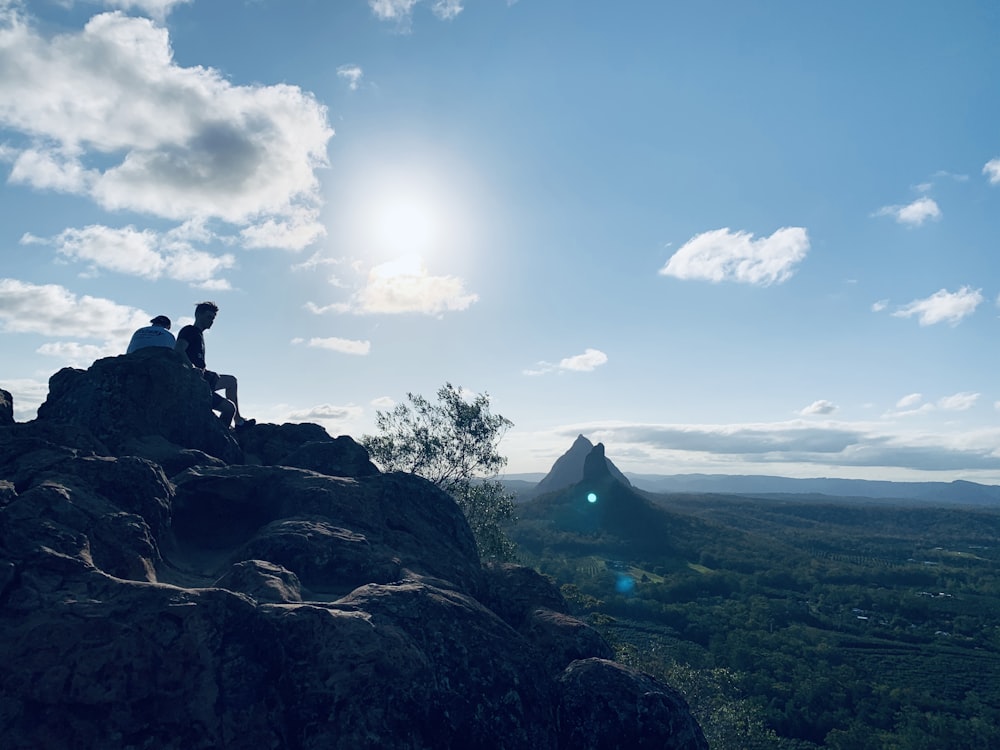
(402, 207)
(405, 224)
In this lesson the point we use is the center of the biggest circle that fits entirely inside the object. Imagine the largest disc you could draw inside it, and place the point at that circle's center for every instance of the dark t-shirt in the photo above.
(195, 344)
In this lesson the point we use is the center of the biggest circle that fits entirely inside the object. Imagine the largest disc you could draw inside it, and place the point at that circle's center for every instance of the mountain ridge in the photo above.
(956, 492)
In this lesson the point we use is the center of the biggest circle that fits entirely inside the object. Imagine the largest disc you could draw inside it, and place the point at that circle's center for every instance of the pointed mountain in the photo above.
(569, 468)
(601, 514)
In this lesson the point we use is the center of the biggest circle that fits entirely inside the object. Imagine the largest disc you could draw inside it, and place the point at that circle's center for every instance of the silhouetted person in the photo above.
(157, 333)
(191, 342)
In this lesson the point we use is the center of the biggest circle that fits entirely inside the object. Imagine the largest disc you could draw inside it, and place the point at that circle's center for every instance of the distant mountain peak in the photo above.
(595, 465)
(572, 467)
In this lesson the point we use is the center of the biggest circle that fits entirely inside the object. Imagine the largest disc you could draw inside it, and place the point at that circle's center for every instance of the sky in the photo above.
(732, 236)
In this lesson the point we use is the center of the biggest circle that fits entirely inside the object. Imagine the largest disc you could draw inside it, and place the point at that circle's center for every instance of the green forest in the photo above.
(790, 622)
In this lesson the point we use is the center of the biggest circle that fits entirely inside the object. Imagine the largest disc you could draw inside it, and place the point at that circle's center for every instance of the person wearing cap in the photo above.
(156, 334)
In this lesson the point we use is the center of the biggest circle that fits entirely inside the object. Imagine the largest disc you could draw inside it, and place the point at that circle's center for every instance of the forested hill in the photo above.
(790, 622)
(957, 493)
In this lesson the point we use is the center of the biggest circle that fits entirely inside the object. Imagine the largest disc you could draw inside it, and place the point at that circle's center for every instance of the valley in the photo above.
(789, 622)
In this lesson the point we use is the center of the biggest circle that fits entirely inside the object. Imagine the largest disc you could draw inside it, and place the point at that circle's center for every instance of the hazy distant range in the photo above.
(957, 493)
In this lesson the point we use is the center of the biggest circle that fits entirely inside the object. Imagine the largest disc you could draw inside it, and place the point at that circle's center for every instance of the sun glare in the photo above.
(413, 208)
(405, 224)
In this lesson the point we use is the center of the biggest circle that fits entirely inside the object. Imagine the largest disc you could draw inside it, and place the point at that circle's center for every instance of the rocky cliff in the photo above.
(569, 469)
(167, 584)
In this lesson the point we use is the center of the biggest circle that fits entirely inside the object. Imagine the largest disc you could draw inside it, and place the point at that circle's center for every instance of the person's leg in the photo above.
(226, 409)
(228, 384)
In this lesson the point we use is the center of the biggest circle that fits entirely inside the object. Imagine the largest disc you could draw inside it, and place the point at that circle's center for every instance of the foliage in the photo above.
(729, 720)
(799, 624)
(487, 507)
(454, 444)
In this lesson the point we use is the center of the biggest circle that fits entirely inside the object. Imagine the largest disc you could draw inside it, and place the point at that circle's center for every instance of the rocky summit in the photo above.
(569, 469)
(167, 584)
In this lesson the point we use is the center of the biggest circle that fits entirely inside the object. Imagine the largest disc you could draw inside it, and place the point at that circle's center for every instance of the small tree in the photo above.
(453, 443)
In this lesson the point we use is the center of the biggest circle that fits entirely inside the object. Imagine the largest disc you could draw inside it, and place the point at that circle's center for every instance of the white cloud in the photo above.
(819, 407)
(958, 402)
(723, 255)
(943, 306)
(156, 8)
(316, 260)
(51, 170)
(344, 346)
(391, 10)
(992, 171)
(405, 286)
(821, 444)
(109, 114)
(121, 250)
(879, 306)
(590, 360)
(80, 355)
(328, 415)
(952, 175)
(913, 404)
(145, 253)
(52, 310)
(315, 309)
(298, 231)
(383, 402)
(446, 9)
(905, 413)
(401, 11)
(352, 74)
(913, 214)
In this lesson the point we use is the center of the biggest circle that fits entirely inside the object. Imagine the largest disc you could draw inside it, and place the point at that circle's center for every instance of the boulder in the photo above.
(7, 493)
(341, 457)
(173, 459)
(262, 580)
(561, 639)
(6, 408)
(514, 592)
(149, 392)
(269, 444)
(124, 665)
(409, 665)
(532, 605)
(334, 533)
(607, 706)
(108, 513)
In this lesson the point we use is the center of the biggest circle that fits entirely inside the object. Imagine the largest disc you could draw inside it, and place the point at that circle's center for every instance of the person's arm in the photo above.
(182, 347)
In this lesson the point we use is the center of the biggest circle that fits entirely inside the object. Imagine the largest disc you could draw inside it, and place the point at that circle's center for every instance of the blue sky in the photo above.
(732, 237)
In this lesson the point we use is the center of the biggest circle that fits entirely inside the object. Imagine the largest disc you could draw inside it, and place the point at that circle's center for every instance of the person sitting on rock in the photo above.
(156, 334)
(191, 342)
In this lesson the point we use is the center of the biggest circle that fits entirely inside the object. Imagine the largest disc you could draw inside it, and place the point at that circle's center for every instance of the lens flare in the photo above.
(591, 498)
(625, 584)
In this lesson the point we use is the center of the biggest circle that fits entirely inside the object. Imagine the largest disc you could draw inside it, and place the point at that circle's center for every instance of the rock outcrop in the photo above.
(6, 408)
(166, 584)
(134, 396)
(569, 468)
